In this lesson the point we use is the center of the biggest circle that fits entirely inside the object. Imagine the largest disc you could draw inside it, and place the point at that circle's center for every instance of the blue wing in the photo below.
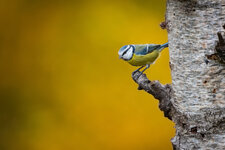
(144, 49)
(164, 45)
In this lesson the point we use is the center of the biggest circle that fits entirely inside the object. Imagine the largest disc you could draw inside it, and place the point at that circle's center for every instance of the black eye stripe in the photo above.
(124, 53)
(128, 47)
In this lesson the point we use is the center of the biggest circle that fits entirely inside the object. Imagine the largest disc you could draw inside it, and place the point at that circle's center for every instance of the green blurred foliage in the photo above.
(62, 84)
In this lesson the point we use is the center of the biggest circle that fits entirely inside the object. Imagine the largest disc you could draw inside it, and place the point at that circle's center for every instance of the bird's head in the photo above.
(126, 52)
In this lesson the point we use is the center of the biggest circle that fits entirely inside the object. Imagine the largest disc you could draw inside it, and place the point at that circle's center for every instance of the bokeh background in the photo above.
(62, 85)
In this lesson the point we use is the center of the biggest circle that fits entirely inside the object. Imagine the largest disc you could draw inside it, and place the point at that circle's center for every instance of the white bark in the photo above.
(199, 88)
(196, 99)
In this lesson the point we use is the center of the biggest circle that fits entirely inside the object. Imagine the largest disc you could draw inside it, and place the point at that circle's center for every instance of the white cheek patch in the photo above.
(128, 54)
(120, 53)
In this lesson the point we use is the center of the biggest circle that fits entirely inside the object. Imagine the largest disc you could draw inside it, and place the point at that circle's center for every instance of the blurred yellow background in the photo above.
(62, 84)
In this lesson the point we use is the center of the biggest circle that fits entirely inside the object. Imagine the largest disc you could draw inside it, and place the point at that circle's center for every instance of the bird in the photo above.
(141, 54)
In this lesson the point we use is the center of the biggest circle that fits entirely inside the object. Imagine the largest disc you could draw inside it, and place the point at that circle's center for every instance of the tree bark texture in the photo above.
(198, 83)
(196, 99)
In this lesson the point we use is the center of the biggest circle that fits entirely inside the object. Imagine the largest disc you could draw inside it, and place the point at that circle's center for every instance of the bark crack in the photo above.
(219, 51)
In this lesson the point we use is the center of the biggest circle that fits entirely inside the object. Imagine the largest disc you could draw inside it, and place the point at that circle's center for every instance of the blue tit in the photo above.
(141, 55)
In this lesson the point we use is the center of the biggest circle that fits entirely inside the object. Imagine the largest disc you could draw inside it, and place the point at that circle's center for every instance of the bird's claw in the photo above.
(138, 74)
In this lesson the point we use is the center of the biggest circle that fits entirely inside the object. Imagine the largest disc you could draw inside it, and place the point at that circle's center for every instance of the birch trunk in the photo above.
(199, 86)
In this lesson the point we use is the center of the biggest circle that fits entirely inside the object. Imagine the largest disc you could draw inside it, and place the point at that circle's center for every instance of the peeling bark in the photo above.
(197, 101)
(219, 54)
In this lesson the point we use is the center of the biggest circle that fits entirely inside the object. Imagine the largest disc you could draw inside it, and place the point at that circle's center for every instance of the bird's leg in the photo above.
(147, 66)
(138, 69)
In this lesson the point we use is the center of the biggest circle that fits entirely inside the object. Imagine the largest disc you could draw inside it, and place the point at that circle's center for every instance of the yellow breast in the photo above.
(141, 60)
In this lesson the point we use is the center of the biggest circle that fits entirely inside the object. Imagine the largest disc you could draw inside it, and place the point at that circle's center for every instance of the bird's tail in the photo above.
(163, 46)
